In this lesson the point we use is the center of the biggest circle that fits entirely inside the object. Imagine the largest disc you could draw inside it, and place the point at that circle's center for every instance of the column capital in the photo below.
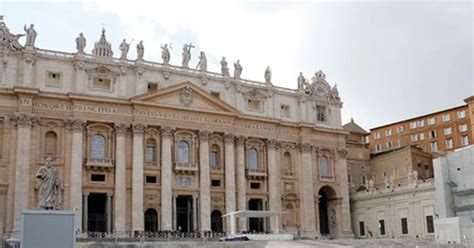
(75, 124)
(304, 147)
(204, 135)
(138, 128)
(229, 138)
(241, 140)
(24, 119)
(273, 144)
(166, 132)
(342, 153)
(121, 128)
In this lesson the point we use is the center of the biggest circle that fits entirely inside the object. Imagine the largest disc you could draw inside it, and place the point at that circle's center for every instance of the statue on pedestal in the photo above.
(165, 54)
(371, 185)
(80, 43)
(224, 68)
(124, 46)
(49, 197)
(202, 65)
(30, 36)
(268, 75)
(237, 69)
(140, 51)
(186, 55)
(301, 82)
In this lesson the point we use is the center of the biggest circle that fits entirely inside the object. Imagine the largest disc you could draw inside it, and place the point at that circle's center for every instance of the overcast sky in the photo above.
(391, 60)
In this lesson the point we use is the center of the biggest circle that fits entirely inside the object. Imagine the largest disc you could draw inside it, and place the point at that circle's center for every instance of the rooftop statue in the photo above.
(268, 75)
(301, 82)
(30, 36)
(224, 68)
(49, 197)
(140, 51)
(202, 65)
(80, 43)
(237, 69)
(8, 39)
(165, 54)
(186, 55)
(124, 46)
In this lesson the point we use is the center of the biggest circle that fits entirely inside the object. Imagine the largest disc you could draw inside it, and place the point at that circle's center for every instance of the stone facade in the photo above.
(145, 146)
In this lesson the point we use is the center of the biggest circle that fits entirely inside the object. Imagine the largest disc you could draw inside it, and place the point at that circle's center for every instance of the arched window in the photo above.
(324, 166)
(50, 143)
(151, 220)
(98, 146)
(253, 159)
(150, 151)
(214, 157)
(183, 152)
(287, 162)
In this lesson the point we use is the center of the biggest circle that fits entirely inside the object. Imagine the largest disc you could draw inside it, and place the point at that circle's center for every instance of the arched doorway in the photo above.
(151, 220)
(216, 221)
(327, 213)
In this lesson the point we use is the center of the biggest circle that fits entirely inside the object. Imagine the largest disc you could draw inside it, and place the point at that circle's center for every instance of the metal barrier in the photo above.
(149, 236)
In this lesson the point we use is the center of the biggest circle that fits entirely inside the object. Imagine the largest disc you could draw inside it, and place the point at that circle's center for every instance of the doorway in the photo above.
(184, 213)
(96, 212)
(327, 219)
(256, 224)
(216, 221)
(151, 220)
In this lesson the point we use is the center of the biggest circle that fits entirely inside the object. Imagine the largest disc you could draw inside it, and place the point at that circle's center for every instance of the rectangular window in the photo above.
(321, 113)
(413, 125)
(361, 228)
(429, 224)
(285, 110)
(434, 146)
(449, 143)
(389, 145)
(420, 123)
(463, 128)
(414, 137)
(214, 159)
(448, 131)
(422, 136)
(465, 140)
(53, 79)
(431, 121)
(363, 180)
(382, 227)
(101, 84)
(254, 105)
(97, 178)
(376, 135)
(446, 117)
(404, 223)
(152, 87)
(216, 94)
(433, 134)
(349, 179)
(462, 114)
(150, 154)
(388, 132)
(150, 179)
(216, 183)
(254, 185)
(400, 129)
(378, 148)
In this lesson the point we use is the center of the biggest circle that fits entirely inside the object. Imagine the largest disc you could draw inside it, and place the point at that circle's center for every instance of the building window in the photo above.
(464, 140)
(449, 143)
(254, 185)
(462, 114)
(422, 136)
(324, 166)
(361, 228)
(363, 180)
(433, 134)
(215, 183)
(254, 105)
(152, 87)
(321, 113)
(382, 227)
(101, 84)
(446, 117)
(376, 135)
(389, 145)
(448, 131)
(150, 179)
(183, 152)
(150, 151)
(253, 159)
(429, 224)
(434, 146)
(287, 168)
(388, 132)
(285, 110)
(214, 157)
(216, 94)
(98, 146)
(414, 137)
(404, 223)
(431, 121)
(378, 148)
(50, 141)
(97, 178)
(463, 128)
(400, 129)
(413, 125)
(53, 79)
(349, 180)
(420, 123)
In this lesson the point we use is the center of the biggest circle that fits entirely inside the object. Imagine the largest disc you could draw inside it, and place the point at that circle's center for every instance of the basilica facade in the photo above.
(148, 146)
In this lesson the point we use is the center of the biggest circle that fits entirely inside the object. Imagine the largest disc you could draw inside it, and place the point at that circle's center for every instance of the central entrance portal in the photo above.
(96, 215)
(256, 224)
(184, 213)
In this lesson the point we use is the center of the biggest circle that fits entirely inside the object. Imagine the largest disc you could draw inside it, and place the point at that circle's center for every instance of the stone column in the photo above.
(229, 176)
(174, 212)
(137, 178)
(109, 212)
(120, 179)
(274, 183)
(307, 192)
(204, 183)
(341, 168)
(85, 216)
(23, 122)
(76, 126)
(241, 182)
(166, 179)
(194, 213)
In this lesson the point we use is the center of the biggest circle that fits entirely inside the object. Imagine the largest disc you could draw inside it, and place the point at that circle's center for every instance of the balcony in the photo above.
(101, 164)
(257, 173)
(185, 168)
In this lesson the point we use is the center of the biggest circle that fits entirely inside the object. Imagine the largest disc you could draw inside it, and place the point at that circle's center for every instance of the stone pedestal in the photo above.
(47, 229)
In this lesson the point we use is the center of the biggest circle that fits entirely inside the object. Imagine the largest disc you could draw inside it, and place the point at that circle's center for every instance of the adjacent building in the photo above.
(148, 146)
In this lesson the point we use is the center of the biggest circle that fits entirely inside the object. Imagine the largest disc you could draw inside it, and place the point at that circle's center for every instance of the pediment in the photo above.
(185, 95)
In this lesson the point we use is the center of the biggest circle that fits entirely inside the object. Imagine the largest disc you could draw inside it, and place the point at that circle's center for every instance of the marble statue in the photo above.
(165, 54)
(124, 46)
(410, 177)
(335, 92)
(8, 39)
(224, 68)
(415, 176)
(301, 82)
(386, 181)
(49, 197)
(80, 43)
(371, 185)
(202, 65)
(237, 69)
(140, 51)
(30, 35)
(186, 55)
(268, 75)
(392, 183)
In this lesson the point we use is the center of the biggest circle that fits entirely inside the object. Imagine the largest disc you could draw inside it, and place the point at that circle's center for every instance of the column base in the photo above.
(309, 234)
(346, 235)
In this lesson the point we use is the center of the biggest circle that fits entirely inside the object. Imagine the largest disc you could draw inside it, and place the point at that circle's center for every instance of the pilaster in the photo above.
(120, 179)
(166, 179)
(274, 180)
(137, 178)
(308, 221)
(241, 182)
(229, 176)
(204, 182)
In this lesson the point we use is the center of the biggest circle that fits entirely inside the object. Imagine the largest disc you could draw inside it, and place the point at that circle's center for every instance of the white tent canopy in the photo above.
(251, 214)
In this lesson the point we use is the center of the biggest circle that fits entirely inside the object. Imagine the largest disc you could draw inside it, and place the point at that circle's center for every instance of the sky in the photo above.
(391, 60)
